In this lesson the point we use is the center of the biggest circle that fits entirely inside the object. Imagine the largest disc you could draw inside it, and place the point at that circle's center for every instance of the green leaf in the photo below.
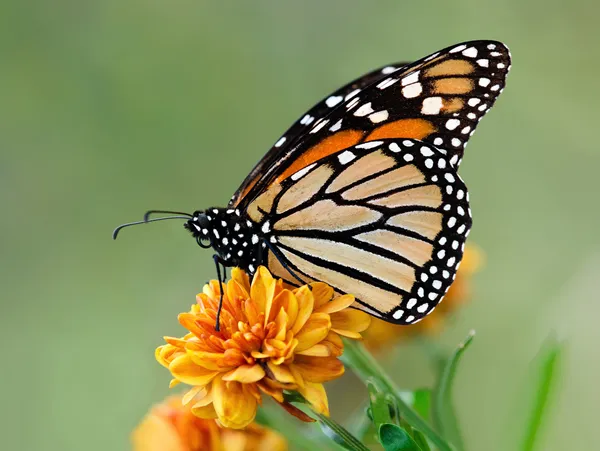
(340, 435)
(548, 363)
(421, 440)
(422, 402)
(380, 408)
(357, 358)
(394, 438)
(443, 415)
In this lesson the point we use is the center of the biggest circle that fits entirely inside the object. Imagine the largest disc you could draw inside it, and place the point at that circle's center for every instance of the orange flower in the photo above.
(382, 333)
(171, 426)
(271, 339)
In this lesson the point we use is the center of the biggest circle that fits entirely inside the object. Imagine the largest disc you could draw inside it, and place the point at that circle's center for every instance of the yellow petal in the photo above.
(350, 320)
(245, 374)
(319, 350)
(235, 405)
(339, 303)
(209, 360)
(306, 303)
(314, 331)
(322, 292)
(185, 370)
(318, 369)
(262, 289)
(316, 395)
(241, 277)
(173, 383)
(198, 390)
(281, 373)
(472, 260)
(166, 353)
(206, 412)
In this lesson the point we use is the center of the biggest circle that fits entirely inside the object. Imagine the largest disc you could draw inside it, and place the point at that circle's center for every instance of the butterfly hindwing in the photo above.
(439, 99)
(384, 220)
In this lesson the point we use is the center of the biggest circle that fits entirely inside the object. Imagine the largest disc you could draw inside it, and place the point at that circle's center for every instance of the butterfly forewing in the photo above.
(438, 99)
(384, 220)
(293, 135)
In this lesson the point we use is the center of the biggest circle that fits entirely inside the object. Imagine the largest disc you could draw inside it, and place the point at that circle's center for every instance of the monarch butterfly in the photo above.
(362, 192)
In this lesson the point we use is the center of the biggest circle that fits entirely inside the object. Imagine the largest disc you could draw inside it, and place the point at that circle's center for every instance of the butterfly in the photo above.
(362, 192)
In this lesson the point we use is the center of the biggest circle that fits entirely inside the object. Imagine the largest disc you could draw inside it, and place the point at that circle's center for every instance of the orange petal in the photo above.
(314, 331)
(284, 299)
(245, 374)
(165, 354)
(318, 369)
(156, 433)
(350, 320)
(262, 289)
(185, 370)
(322, 292)
(316, 395)
(295, 411)
(339, 303)
(306, 302)
(235, 406)
(472, 260)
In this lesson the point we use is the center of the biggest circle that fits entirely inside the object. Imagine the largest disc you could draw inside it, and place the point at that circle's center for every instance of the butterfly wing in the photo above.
(438, 99)
(383, 220)
(290, 138)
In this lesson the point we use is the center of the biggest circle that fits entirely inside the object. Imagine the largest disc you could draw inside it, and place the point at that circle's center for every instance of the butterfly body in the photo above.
(230, 234)
(363, 191)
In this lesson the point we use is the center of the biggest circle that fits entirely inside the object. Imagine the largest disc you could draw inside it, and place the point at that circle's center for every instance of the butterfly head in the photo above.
(199, 226)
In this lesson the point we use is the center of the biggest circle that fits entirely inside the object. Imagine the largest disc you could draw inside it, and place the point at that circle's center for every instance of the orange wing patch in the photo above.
(450, 67)
(329, 145)
(454, 85)
(403, 128)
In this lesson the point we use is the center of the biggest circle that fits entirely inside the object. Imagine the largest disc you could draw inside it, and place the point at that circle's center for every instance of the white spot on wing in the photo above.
(471, 52)
(380, 116)
(346, 157)
(302, 172)
(364, 110)
(280, 142)
(369, 145)
(432, 105)
(411, 78)
(333, 101)
(412, 90)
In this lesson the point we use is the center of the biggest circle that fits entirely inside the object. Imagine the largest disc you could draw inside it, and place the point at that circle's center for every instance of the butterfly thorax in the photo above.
(230, 233)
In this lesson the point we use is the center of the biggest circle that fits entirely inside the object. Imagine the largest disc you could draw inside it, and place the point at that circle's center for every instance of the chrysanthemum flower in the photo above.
(171, 426)
(381, 333)
(272, 339)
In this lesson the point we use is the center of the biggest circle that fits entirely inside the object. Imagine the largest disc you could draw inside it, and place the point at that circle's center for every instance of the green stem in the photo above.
(366, 368)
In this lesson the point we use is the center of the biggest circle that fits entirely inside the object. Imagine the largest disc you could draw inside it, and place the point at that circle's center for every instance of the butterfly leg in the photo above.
(283, 263)
(218, 264)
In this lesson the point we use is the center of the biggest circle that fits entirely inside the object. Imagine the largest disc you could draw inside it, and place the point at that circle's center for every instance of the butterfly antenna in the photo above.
(145, 221)
(164, 212)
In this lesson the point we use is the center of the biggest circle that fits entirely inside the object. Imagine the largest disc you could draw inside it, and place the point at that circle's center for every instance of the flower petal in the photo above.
(316, 395)
(319, 350)
(235, 405)
(349, 320)
(322, 292)
(318, 369)
(339, 303)
(245, 374)
(185, 370)
(314, 331)
(281, 373)
(242, 280)
(306, 302)
(262, 289)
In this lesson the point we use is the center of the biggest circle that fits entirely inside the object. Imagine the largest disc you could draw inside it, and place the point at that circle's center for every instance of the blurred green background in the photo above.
(111, 108)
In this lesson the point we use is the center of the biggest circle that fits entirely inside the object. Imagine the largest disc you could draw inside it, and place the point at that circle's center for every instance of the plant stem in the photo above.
(366, 368)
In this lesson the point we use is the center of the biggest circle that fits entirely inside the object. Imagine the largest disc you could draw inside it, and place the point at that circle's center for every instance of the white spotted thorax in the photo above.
(232, 235)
